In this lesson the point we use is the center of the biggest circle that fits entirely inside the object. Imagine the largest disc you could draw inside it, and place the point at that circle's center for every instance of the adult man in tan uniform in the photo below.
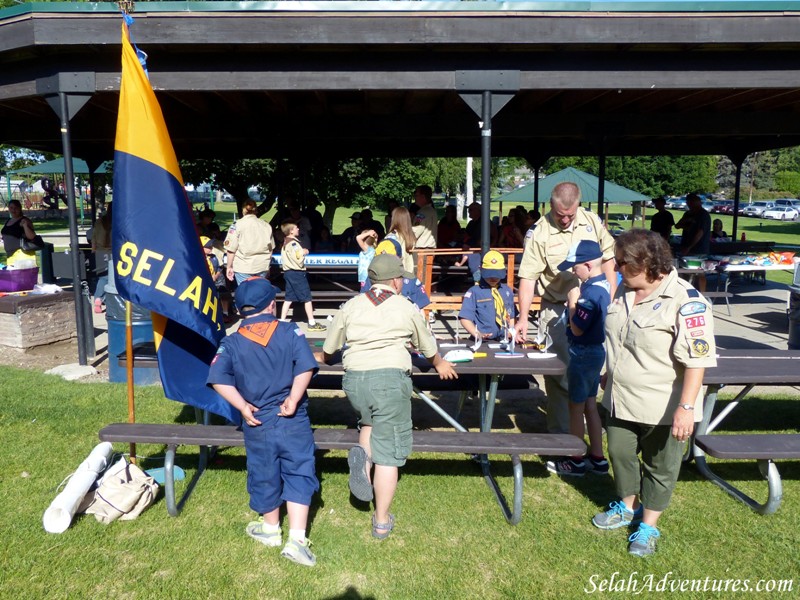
(426, 221)
(556, 232)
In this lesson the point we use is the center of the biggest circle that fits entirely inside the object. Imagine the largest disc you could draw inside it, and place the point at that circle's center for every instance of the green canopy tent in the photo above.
(588, 184)
(56, 166)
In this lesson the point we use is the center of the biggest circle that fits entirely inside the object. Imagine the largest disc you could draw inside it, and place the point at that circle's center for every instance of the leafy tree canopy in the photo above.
(649, 175)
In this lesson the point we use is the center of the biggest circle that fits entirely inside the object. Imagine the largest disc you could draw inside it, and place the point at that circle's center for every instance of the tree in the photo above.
(13, 158)
(788, 182)
(449, 174)
(648, 175)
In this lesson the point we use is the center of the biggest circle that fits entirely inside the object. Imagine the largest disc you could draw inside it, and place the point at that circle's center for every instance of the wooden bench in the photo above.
(208, 436)
(763, 447)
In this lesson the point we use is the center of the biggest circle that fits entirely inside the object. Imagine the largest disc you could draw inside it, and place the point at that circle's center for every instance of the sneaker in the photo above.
(598, 467)
(643, 540)
(299, 552)
(618, 515)
(317, 327)
(256, 531)
(567, 467)
(360, 486)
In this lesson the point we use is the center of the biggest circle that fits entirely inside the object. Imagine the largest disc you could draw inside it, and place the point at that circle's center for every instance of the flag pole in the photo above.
(129, 369)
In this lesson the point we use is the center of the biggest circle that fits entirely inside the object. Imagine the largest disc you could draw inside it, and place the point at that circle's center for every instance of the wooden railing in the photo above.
(439, 301)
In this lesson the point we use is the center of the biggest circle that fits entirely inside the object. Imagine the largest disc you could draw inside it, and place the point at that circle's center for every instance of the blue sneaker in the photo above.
(643, 540)
(618, 515)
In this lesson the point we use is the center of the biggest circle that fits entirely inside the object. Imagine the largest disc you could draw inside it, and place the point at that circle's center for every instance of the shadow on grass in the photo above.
(756, 414)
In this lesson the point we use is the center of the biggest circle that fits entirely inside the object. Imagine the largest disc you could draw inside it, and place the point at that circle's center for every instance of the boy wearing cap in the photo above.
(376, 326)
(293, 263)
(587, 308)
(488, 307)
(263, 370)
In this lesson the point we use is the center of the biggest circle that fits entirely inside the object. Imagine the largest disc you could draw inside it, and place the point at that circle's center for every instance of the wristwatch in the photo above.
(686, 406)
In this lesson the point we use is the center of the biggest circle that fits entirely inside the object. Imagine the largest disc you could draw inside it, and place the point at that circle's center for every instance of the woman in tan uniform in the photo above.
(249, 245)
(659, 341)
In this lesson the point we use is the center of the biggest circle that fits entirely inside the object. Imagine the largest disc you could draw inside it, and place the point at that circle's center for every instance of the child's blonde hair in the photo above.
(287, 225)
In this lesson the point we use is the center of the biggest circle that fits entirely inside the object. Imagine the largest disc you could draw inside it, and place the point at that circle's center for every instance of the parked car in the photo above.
(720, 206)
(781, 213)
(708, 205)
(678, 203)
(756, 209)
(788, 202)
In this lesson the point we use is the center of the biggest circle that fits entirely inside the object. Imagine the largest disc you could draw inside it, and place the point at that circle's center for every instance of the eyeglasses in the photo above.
(620, 263)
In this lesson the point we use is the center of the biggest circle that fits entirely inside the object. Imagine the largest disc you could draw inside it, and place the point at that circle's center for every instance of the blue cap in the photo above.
(583, 251)
(254, 295)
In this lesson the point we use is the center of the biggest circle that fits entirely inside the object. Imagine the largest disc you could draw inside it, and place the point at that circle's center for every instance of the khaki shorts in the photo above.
(382, 398)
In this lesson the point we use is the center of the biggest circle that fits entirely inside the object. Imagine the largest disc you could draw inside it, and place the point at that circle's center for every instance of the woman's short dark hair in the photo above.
(645, 252)
(17, 202)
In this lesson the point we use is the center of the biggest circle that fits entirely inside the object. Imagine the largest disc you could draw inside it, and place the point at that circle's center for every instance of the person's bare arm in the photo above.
(525, 297)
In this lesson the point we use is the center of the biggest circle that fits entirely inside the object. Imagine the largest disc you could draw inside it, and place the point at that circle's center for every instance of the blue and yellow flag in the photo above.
(158, 260)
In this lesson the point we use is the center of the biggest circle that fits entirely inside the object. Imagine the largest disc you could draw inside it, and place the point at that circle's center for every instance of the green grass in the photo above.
(450, 541)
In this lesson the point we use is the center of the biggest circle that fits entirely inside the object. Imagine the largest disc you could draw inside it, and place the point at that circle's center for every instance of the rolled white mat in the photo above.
(58, 515)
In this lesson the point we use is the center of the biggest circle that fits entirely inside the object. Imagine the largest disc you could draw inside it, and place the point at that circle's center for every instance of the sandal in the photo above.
(386, 528)
(360, 485)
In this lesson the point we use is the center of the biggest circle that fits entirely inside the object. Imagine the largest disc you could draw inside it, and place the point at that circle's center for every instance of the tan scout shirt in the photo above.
(376, 336)
(426, 226)
(649, 347)
(292, 256)
(252, 244)
(548, 247)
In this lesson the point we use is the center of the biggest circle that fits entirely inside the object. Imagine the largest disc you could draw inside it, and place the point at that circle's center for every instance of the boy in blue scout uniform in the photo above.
(488, 307)
(587, 308)
(263, 370)
(413, 288)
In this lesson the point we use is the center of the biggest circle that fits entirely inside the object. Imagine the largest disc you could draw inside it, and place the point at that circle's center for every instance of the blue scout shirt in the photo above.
(478, 307)
(590, 312)
(263, 375)
(413, 289)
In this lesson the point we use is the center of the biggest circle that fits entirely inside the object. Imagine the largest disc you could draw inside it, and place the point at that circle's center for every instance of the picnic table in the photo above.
(487, 373)
(748, 368)
(490, 372)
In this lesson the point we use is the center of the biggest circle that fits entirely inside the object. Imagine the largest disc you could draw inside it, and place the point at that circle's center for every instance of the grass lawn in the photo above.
(450, 541)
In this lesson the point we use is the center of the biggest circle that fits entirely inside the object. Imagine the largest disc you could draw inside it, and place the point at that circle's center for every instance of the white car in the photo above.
(781, 213)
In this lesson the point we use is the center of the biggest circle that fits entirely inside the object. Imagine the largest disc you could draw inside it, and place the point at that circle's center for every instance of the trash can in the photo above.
(794, 317)
(46, 263)
(142, 330)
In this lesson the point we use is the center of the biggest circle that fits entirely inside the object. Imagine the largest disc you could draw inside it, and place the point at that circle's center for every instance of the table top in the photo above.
(491, 364)
(760, 367)
(730, 267)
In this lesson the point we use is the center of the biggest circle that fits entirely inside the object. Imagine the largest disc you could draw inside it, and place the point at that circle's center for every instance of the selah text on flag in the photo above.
(158, 260)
